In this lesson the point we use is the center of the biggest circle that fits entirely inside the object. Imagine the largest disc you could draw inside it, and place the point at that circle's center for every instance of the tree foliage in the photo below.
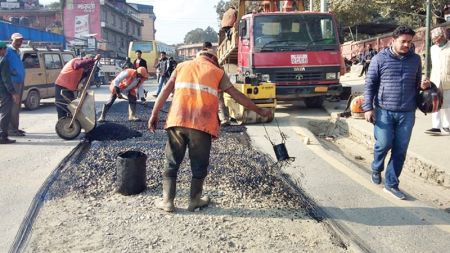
(199, 36)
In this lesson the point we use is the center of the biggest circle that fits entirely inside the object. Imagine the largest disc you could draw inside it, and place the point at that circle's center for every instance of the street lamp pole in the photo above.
(428, 40)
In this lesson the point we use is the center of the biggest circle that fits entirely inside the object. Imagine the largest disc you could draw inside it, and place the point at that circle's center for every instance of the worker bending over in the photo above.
(192, 122)
(126, 83)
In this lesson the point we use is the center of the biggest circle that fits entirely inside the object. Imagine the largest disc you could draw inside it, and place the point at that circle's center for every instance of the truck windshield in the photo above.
(299, 32)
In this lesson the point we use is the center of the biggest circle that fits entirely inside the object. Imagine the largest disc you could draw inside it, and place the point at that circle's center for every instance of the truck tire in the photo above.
(314, 102)
(33, 100)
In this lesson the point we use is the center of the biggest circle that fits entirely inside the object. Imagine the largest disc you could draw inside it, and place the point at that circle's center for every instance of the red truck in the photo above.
(298, 51)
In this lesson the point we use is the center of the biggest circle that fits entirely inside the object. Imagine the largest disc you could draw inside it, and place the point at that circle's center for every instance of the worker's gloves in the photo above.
(117, 90)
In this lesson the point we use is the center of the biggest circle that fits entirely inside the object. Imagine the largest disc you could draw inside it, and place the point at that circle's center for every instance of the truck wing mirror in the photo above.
(243, 28)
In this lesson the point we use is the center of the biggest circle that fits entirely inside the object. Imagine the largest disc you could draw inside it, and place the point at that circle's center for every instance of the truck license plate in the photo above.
(321, 89)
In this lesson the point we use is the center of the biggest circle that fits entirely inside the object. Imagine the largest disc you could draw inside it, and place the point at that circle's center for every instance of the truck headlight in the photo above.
(330, 76)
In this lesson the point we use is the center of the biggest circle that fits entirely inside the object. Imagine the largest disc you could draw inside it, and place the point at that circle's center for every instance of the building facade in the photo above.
(148, 18)
(188, 51)
(105, 26)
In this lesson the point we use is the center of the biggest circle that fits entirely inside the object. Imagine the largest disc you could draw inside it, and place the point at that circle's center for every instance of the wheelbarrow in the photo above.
(82, 113)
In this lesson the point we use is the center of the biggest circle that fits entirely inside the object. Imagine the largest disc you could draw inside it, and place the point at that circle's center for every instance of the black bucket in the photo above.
(281, 152)
(131, 172)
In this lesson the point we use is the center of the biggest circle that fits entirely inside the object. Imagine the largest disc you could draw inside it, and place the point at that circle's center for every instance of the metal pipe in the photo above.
(428, 40)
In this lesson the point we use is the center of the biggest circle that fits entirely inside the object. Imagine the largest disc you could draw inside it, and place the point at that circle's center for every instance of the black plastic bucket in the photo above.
(131, 172)
(281, 152)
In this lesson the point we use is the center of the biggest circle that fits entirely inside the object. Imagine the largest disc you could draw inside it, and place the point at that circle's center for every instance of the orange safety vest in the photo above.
(70, 77)
(131, 75)
(229, 18)
(195, 103)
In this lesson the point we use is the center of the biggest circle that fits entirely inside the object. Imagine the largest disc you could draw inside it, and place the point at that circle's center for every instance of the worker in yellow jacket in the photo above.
(192, 122)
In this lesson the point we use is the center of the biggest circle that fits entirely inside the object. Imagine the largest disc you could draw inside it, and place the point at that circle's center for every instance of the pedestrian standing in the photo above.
(139, 62)
(128, 82)
(17, 72)
(191, 123)
(67, 82)
(392, 84)
(440, 76)
(163, 73)
(8, 96)
(367, 58)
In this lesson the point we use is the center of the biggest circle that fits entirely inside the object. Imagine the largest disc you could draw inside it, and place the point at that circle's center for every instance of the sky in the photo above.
(175, 18)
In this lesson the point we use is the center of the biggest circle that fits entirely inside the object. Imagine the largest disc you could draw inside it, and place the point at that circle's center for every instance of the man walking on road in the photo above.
(440, 75)
(192, 122)
(17, 72)
(8, 96)
(392, 84)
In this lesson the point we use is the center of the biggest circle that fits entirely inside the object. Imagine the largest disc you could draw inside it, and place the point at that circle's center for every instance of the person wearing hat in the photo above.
(192, 122)
(440, 76)
(128, 82)
(68, 79)
(8, 96)
(17, 72)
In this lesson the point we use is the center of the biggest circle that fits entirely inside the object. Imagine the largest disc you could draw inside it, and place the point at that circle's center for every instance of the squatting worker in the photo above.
(8, 96)
(126, 82)
(393, 82)
(192, 122)
(17, 72)
(67, 82)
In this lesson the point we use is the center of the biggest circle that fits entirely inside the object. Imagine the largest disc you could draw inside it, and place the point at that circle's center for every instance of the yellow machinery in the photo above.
(262, 94)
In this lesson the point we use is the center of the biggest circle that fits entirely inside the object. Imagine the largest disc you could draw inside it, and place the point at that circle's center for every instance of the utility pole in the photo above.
(311, 6)
(428, 40)
(323, 5)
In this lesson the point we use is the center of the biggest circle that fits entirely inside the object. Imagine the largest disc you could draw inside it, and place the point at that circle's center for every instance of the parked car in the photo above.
(42, 67)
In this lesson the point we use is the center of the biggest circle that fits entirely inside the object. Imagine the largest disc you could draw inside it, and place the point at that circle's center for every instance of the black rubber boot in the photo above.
(132, 112)
(103, 114)
(196, 199)
(169, 191)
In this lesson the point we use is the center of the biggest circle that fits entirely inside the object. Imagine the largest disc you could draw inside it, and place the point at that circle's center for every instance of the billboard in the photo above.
(82, 17)
(19, 4)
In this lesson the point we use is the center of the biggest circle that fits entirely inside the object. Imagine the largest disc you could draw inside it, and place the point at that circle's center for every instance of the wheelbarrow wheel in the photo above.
(65, 131)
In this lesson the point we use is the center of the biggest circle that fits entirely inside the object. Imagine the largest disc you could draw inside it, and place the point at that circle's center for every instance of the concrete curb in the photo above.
(414, 162)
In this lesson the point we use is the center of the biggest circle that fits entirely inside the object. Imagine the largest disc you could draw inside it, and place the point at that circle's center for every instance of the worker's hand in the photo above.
(370, 116)
(153, 123)
(97, 57)
(425, 84)
(143, 100)
(16, 98)
(264, 112)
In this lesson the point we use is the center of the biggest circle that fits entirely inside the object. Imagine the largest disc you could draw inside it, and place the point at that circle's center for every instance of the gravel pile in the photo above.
(252, 209)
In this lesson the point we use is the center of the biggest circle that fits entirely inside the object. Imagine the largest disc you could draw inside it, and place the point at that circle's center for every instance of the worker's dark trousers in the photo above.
(15, 109)
(6, 103)
(60, 102)
(199, 144)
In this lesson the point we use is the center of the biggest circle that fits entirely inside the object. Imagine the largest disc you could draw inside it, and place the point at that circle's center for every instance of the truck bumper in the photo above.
(296, 92)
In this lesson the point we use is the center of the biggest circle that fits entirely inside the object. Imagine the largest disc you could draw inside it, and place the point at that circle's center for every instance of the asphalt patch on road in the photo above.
(111, 131)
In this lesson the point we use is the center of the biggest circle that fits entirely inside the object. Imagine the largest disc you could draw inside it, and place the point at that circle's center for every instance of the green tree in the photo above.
(199, 35)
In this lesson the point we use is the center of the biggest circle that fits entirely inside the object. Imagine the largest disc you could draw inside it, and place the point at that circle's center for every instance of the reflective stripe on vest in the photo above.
(195, 86)
(70, 77)
(195, 103)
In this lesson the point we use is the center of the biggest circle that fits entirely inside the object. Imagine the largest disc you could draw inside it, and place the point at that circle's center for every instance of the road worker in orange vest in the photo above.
(192, 122)
(228, 20)
(67, 82)
(126, 82)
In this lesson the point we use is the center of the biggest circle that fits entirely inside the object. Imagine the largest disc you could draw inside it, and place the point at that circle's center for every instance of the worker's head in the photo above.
(16, 40)
(138, 54)
(438, 35)
(2, 48)
(162, 54)
(142, 72)
(210, 53)
(402, 39)
(207, 45)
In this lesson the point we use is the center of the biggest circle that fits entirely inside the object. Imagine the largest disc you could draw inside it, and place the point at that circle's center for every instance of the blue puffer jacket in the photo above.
(393, 83)
(15, 65)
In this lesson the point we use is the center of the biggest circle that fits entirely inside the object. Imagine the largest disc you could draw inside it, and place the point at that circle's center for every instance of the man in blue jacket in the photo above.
(393, 80)
(17, 72)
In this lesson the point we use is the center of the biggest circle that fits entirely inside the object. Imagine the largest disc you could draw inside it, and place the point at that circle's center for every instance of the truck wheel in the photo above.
(314, 102)
(33, 100)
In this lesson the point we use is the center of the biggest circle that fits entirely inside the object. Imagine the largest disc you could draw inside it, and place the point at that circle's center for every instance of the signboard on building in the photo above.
(19, 4)
(82, 17)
